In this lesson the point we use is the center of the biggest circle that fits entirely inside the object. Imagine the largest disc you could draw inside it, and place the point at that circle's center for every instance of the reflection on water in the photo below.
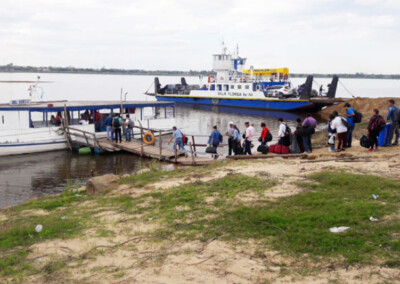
(25, 176)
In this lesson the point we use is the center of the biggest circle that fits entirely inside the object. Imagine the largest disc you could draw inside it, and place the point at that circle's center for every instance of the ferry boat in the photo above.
(26, 126)
(234, 86)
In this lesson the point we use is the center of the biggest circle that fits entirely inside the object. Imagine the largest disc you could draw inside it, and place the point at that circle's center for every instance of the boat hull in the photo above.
(29, 148)
(283, 105)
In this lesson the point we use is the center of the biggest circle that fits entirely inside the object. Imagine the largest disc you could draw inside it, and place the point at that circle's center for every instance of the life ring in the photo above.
(148, 138)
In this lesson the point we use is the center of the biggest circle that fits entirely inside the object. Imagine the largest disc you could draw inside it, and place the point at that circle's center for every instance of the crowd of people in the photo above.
(341, 129)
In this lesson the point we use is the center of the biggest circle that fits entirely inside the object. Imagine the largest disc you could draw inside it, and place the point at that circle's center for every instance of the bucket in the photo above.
(383, 137)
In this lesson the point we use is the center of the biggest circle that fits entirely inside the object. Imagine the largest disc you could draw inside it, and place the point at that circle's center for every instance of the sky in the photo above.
(307, 36)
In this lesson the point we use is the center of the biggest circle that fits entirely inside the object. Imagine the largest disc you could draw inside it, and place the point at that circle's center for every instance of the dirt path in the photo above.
(126, 257)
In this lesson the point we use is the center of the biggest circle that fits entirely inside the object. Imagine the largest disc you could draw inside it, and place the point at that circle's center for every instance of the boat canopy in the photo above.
(268, 72)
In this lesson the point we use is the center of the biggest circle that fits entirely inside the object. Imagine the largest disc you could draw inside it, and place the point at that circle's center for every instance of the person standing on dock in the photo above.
(108, 123)
(237, 149)
(215, 139)
(129, 125)
(321, 90)
(248, 138)
(263, 136)
(350, 120)
(178, 136)
(311, 124)
(394, 117)
(117, 121)
(231, 140)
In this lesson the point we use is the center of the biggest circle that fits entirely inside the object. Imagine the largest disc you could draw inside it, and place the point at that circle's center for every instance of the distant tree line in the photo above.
(51, 69)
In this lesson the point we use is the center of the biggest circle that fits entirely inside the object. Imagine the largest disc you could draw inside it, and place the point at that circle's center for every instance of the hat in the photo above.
(230, 122)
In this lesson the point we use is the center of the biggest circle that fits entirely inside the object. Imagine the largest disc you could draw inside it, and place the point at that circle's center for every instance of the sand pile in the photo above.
(363, 105)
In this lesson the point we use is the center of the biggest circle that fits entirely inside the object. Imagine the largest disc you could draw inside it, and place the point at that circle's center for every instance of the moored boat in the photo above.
(30, 127)
(234, 86)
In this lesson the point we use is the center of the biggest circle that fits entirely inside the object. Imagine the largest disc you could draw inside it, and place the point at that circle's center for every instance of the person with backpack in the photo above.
(394, 117)
(309, 125)
(215, 139)
(350, 113)
(375, 126)
(129, 124)
(177, 135)
(248, 138)
(265, 134)
(284, 133)
(338, 124)
(116, 124)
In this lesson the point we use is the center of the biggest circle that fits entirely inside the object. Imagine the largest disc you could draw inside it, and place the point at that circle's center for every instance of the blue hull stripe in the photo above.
(287, 105)
(31, 144)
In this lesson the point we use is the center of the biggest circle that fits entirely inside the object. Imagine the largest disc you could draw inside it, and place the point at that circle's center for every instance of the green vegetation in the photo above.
(235, 208)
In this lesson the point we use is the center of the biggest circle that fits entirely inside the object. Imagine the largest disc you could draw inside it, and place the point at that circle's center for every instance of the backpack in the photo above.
(268, 137)
(379, 124)
(357, 118)
(365, 141)
(185, 140)
(344, 121)
(288, 131)
(131, 124)
(116, 123)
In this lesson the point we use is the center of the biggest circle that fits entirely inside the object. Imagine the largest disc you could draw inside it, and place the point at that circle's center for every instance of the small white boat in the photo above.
(28, 127)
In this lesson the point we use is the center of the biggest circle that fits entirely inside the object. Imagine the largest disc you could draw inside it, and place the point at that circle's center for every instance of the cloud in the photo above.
(306, 35)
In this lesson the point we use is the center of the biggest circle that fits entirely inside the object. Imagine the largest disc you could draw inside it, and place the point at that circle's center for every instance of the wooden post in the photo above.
(194, 145)
(66, 130)
(192, 154)
(160, 141)
(176, 154)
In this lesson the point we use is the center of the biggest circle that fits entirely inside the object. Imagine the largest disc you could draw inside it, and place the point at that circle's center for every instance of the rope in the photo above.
(351, 94)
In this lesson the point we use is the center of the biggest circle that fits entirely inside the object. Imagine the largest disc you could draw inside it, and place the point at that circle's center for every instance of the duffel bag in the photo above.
(262, 149)
(365, 141)
(211, 150)
(281, 149)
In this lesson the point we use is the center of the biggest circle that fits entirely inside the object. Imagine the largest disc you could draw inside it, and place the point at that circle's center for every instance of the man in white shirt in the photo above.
(248, 138)
(283, 135)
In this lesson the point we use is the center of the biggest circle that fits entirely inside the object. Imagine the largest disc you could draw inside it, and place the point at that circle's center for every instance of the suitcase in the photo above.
(211, 150)
(262, 149)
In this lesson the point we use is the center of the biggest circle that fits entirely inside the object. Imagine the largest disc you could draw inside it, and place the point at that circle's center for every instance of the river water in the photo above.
(25, 176)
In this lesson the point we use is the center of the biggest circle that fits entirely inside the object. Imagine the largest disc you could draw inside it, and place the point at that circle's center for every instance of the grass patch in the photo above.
(297, 224)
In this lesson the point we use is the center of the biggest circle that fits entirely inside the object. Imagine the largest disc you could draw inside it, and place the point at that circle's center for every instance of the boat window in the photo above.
(232, 87)
(219, 57)
(247, 87)
(226, 87)
(239, 87)
(212, 87)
